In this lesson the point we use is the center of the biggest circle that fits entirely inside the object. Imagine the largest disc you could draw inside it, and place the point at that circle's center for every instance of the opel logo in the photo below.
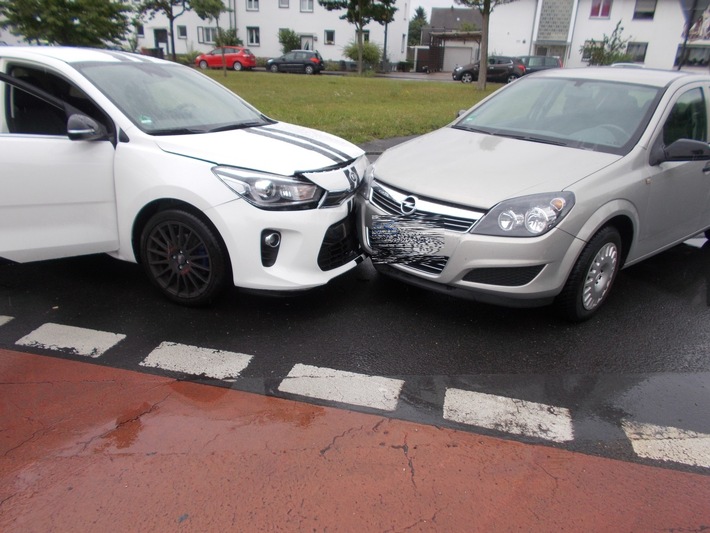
(408, 205)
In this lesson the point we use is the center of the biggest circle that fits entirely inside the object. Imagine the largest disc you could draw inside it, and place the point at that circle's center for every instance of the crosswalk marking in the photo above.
(508, 415)
(215, 364)
(345, 387)
(664, 443)
(504, 414)
(79, 341)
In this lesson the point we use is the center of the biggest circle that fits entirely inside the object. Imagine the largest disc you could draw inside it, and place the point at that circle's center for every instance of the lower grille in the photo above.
(430, 266)
(340, 245)
(506, 277)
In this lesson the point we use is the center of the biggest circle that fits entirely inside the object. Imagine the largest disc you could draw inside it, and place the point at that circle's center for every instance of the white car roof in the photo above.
(643, 76)
(70, 54)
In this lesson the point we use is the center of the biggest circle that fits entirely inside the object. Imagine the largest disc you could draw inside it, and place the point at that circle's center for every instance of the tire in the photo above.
(592, 276)
(274, 68)
(203, 64)
(707, 234)
(512, 78)
(308, 69)
(184, 258)
(466, 77)
(237, 66)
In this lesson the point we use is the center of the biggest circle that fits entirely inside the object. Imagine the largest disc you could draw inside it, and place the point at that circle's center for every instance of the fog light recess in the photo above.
(270, 243)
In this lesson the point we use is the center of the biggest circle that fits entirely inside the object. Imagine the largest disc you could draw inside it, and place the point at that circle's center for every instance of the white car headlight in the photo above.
(527, 216)
(270, 191)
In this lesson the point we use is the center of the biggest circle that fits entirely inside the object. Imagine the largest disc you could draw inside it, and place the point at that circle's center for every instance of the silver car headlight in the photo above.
(527, 216)
(270, 191)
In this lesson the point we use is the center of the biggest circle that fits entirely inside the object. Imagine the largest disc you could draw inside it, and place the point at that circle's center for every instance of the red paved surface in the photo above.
(88, 448)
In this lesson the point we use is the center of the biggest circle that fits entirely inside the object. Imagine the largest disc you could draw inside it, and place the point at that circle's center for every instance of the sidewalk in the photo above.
(90, 448)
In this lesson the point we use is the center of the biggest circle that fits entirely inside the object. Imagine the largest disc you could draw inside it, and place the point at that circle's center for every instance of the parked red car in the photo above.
(236, 57)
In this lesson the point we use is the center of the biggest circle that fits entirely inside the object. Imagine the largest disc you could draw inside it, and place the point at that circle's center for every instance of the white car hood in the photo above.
(280, 148)
(479, 170)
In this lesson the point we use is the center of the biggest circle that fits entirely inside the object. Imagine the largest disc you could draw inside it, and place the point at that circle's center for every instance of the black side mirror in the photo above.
(83, 128)
(680, 150)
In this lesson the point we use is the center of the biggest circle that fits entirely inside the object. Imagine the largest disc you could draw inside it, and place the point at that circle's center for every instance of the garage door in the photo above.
(459, 55)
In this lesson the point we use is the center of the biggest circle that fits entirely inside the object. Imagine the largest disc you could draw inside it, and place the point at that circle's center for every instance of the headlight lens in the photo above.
(270, 191)
(527, 216)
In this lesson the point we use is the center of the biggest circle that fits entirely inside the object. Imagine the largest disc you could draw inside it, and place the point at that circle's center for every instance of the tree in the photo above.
(172, 9)
(67, 22)
(485, 7)
(289, 40)
(611, 49)
(415, 27)
(360, 13)
(211, 10)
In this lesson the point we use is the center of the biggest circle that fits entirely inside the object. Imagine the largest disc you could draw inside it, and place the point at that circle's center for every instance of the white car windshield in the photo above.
(591, 114)
(168, 99)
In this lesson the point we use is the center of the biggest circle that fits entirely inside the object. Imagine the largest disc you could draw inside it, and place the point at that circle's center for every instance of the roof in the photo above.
(451, 19)
(68, 54)
(645, 76)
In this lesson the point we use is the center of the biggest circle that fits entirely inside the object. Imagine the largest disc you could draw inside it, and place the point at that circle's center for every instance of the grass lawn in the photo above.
(359, 109)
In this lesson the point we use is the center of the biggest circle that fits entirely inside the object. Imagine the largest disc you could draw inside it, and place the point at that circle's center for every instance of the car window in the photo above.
(28, 113)
(688, 118)
(597, 115)
(165, 99)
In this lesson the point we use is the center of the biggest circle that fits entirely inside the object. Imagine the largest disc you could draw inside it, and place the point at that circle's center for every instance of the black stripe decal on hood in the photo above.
(317, 143)
(311, 146)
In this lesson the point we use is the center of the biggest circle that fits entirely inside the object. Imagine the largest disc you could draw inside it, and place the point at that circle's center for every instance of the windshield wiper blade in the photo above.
(177, 131)
(237, 126)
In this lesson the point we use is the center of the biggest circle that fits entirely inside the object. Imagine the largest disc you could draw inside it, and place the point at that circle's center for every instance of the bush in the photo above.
(289, 40)
(371, 53)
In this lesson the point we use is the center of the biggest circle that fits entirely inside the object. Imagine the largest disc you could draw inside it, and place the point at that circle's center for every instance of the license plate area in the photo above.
(405, 240)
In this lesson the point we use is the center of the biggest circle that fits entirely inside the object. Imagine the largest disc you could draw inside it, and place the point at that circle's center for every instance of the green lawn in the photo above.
(359, 109)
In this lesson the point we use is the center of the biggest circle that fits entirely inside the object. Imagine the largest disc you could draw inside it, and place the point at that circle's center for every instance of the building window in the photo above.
(587, 49)
(365, 36)
(306, 6)
(329, 36)
(601, 9)
(637, 51)
(645, 9)
(206, 34)
(252, 5)
(404, 43)
(253, 37)
(283, 4)
(140, 32)
(182, 32)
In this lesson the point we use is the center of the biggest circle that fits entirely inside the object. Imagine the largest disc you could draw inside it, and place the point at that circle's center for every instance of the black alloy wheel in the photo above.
(183, 257)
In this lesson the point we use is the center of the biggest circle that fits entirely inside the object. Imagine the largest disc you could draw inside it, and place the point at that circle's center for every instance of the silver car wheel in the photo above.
(466, 77)
(600, 275)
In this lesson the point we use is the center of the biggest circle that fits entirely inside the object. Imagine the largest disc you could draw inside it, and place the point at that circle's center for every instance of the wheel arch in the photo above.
(164, 204)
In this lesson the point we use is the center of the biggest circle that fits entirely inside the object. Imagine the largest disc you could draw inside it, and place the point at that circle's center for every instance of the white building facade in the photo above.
(258, 23)
(655, 29)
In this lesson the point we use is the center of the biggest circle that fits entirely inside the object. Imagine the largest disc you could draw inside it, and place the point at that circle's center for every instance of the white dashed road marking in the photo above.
(215, 364)
(665, 443)
(80, 341)
(509, 415)
(4, 319)
(345, 387)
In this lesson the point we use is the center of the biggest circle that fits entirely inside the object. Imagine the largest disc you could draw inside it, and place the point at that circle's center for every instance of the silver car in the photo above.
(542, 192)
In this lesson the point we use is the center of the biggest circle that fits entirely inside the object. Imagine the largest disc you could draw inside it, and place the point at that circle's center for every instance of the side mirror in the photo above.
(83, 128)
(680, 150)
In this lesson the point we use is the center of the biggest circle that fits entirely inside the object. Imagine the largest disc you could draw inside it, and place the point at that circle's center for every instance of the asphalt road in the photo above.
(643, 363)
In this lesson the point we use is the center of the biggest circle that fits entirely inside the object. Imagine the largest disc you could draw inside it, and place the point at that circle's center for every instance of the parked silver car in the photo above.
(542, 192)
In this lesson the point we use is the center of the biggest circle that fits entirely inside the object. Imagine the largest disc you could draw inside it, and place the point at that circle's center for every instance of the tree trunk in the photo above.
(359, 50)
(483, 65)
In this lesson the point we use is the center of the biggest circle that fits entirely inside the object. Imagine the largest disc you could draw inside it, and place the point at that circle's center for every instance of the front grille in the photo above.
(452, 218)
(506, 277)
(340, 245)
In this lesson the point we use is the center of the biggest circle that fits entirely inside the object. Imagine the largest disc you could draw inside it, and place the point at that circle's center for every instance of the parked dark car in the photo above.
(538, 63)
(502, 69)
(306, 61)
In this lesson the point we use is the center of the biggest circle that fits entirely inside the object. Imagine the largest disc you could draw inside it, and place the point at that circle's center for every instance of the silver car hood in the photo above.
(480, 170)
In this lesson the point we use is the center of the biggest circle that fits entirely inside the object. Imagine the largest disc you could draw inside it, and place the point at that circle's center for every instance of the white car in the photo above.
(543, 191)
(155, 163)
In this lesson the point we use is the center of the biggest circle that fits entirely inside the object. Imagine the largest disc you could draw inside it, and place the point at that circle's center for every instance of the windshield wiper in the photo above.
(177, 131)
(237, 126)
(475, 130)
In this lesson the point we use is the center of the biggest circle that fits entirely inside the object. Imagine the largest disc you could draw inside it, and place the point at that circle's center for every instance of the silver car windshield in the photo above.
(169, 99)
(590, 114)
